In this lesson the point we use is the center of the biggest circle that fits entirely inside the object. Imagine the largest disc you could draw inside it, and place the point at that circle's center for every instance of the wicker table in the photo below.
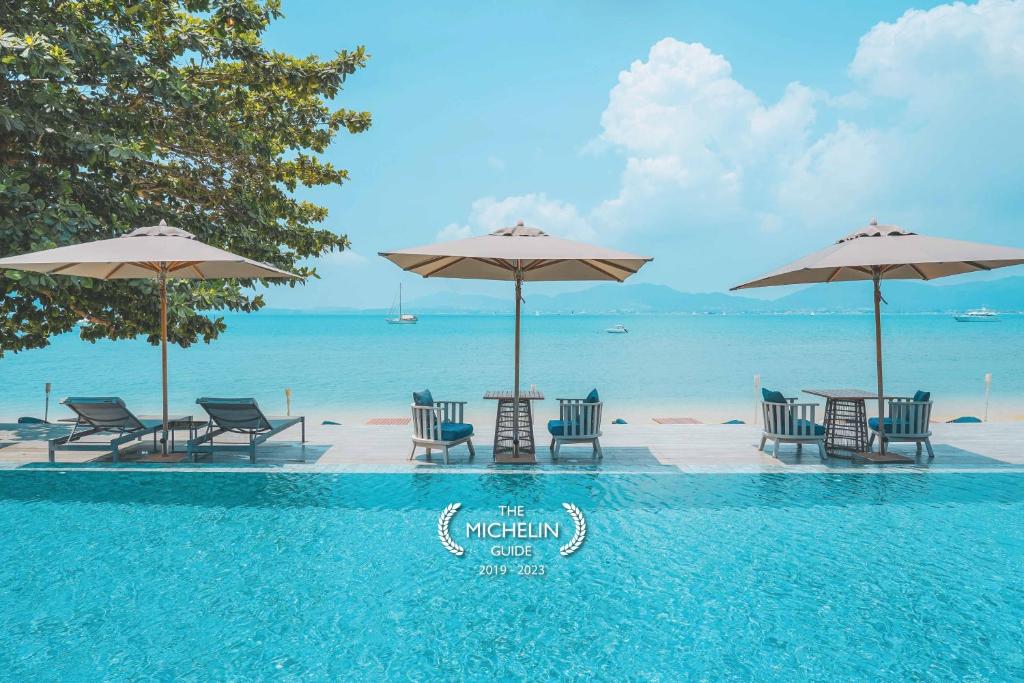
(505, 422)
(846, 420)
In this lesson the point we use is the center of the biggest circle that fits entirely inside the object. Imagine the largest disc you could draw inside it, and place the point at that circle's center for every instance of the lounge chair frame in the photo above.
(91, 420)
(426, 427)
(581, 423)
(791, 422)
(250, 421)
(911, 423)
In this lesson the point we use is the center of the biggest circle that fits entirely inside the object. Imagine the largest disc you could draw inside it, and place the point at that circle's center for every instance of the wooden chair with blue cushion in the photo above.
(439, 424)
(579, 421)
(909, 421)
(786, 421)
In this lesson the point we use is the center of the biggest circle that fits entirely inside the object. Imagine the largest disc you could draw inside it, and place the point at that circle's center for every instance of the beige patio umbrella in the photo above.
(159, 252)
(887, 252)
(520, 254)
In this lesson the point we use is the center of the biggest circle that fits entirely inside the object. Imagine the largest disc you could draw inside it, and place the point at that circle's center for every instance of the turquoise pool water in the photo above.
(212, 576)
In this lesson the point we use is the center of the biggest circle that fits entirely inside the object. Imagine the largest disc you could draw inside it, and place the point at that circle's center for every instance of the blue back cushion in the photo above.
(770, 396)
(922, 395)
(592, 397)
(422, 398)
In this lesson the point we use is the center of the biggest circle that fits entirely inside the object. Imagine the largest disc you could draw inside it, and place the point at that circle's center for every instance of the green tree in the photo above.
(118, 114)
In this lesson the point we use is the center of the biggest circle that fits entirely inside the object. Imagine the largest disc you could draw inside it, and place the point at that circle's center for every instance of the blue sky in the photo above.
(722, 139)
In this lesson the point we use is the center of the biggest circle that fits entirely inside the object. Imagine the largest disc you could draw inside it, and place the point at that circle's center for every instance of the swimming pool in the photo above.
(124, 575)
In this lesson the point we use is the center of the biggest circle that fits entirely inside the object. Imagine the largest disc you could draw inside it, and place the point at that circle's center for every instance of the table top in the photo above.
(526, 395)
(842, 394)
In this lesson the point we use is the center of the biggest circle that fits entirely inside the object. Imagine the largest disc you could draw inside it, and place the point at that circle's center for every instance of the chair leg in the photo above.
(472, 451)
(412, 453)
(552, 446)
(597, 448)
(919, 449)
(554, 453)
(775, 449)
(763, 440)
(821, 451)
(928, 445)
(871, 440)
(799, 449)
(444, 450)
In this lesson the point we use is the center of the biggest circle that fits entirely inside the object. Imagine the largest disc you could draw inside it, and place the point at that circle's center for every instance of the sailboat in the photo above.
(403, 318)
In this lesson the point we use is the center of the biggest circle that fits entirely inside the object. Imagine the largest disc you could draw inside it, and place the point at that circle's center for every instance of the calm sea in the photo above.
(347, 367)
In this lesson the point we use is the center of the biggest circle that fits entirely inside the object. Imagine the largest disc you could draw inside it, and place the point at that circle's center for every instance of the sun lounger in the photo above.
(439, 424)
(238, 416)
(579, 421)
(103, 415)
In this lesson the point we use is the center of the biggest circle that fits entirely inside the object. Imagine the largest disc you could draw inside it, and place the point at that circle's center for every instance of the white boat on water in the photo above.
(978, 315)
(401, 318)
(617, 329)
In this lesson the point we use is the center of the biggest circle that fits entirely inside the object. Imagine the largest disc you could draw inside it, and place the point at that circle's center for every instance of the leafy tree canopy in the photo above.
(115, 115)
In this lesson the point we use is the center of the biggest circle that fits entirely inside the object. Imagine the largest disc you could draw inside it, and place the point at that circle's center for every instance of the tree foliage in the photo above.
(115, 115)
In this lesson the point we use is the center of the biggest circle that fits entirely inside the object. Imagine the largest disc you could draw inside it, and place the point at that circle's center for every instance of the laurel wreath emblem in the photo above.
(442, 530)
(581, 530)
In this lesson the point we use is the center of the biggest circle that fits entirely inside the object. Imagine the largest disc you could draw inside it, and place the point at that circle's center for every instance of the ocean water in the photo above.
(256, 576)
(347, 367)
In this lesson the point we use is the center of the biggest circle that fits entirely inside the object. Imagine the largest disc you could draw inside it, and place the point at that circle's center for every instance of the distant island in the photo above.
(903, 296)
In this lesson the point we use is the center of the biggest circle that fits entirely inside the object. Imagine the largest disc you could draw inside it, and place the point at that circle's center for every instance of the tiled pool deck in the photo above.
(634, 447)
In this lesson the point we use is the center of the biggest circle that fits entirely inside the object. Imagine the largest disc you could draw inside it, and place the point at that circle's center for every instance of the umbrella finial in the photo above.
(163, 223)
(520, 223)
(874, 221)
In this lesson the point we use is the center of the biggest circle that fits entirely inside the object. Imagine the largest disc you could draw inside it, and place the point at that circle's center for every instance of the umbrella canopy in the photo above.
(888, 252)
(142, 254)
(522, 253)
(895, 252)
(519, 254)
(159, 252)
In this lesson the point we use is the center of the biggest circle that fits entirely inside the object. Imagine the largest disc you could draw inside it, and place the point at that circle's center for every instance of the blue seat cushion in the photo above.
(422, 398)
(453, 431)
(770, 396)
(592, 397)
(804, 427)
(558, 427)
(922, 396)
(873, 423)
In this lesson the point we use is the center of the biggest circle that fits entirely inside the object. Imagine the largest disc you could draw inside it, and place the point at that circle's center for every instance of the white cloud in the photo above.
(454, 231)
(346, 259)
(496, 163)
(928, 134)
(935, 53)
(488, 214)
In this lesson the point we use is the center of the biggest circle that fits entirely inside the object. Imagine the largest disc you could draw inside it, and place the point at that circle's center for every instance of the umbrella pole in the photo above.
(515, 393)
(162, 279)
(876, 276)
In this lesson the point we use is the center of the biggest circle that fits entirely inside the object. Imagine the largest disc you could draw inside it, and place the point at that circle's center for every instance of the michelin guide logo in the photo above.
(514, 535)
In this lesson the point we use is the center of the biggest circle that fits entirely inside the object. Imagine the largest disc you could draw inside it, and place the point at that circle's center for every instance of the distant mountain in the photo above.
(903, 296)
(907, 296)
